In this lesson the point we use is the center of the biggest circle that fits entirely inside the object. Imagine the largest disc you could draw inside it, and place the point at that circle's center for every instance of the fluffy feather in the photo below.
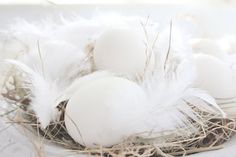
(170, 98)
(80, 31)
(50, 68)
(43, 93)
(169, 89)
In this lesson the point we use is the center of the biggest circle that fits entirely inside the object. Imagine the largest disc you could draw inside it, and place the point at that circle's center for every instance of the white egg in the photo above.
(122, 51)
(215, 76)
(229, 44)
(105, 111)
(80, 82)
(208, 46)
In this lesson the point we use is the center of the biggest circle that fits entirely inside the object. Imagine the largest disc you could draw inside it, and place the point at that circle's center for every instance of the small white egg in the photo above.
(229, 44)
(105, 111)
(209, 47)
(122, 51)
(215, 76)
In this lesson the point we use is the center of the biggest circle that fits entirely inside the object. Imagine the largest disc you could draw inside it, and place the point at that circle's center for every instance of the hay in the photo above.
(211, 134)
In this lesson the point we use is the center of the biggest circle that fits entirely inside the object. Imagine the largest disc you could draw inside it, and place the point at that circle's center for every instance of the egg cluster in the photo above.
(102, 111)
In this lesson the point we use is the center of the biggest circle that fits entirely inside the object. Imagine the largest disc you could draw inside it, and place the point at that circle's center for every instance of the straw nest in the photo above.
(211, 133)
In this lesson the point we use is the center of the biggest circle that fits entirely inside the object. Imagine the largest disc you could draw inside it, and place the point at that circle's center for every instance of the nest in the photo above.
(211, 134)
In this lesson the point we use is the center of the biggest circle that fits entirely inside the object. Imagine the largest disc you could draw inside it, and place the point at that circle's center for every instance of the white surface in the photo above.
(208, 2)
(214, 22)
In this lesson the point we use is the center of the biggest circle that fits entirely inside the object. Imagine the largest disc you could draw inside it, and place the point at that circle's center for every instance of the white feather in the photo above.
(169, 90)
(204, 101)
(51, 67)
(44, 93)
(80, 31)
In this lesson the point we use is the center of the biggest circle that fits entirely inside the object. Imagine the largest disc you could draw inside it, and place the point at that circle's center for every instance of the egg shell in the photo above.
(105, 111)
(208, 46)
(122, 51)
(215, 76)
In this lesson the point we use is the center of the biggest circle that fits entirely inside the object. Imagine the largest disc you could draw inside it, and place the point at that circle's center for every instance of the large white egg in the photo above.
(215, 76)
(105, 111)
(122, 51)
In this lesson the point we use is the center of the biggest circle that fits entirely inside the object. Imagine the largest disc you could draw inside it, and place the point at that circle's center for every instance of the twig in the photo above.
(168, 51)
(198, 150)
(41, 58)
